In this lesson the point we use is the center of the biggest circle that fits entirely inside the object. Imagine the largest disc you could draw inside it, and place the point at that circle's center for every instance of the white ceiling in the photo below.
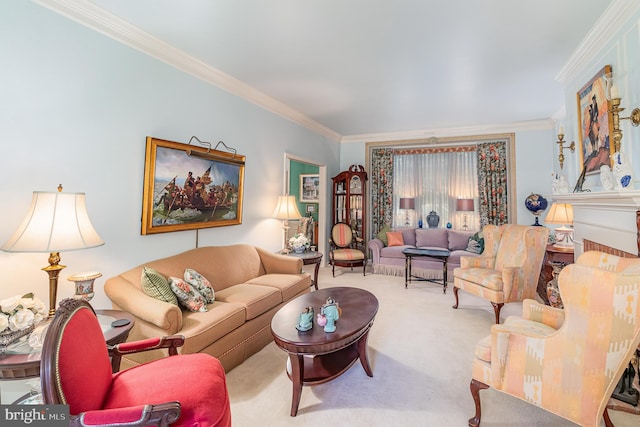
(382, 66)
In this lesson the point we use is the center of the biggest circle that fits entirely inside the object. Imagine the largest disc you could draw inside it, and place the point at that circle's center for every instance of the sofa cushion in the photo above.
(187, 296)
(256, 299)
(395, 238)
(156, 285)
(459, 240)
(394, 251)
(202, 328)
(432, 238)
(382, 234)
(290, 285)
(200, 283)
(409, 236)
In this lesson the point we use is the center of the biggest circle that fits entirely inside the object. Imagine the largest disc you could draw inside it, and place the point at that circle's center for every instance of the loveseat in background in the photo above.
(250, 285)
(391, 261)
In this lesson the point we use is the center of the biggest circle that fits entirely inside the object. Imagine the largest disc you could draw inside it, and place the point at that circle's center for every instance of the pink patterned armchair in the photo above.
(567, 361)
(508, 269)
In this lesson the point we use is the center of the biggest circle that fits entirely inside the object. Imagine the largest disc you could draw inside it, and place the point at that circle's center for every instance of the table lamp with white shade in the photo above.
(55, 222)
(286, 209)
(561, 213)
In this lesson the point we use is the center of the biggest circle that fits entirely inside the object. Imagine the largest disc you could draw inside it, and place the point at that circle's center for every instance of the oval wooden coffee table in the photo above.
(317, 356)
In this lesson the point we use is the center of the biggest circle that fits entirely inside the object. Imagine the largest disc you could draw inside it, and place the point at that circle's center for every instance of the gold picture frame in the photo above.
(187, 187)
(595, 123)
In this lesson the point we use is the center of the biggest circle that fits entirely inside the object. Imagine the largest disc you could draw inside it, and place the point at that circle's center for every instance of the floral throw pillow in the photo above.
(200, 283)
(187, 296)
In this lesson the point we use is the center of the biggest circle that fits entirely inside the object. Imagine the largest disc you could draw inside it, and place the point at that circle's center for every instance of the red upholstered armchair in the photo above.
(180, 390)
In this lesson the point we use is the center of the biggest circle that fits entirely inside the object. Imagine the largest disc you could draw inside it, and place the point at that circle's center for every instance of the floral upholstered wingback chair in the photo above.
(567, 361)
(508, 269)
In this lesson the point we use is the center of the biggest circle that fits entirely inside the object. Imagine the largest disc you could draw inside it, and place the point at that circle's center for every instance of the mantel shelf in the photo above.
(621, 198)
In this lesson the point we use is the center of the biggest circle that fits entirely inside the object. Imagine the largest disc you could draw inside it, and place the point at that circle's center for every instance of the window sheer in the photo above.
(436, 179)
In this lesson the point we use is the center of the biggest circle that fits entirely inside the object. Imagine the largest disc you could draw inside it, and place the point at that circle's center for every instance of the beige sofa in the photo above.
(250, 284)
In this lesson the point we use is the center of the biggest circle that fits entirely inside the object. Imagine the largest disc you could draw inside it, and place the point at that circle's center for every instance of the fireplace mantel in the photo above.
(605, 217)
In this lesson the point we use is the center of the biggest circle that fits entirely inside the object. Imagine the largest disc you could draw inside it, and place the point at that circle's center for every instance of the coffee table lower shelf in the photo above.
(322, 368)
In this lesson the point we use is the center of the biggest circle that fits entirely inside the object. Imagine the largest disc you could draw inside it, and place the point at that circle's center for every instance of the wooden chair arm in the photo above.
(162, 415)
(171, 342)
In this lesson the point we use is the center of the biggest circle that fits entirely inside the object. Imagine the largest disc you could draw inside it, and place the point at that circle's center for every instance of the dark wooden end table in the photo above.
(21, 361)
(309, 258)
(439, 254)
(317, 356)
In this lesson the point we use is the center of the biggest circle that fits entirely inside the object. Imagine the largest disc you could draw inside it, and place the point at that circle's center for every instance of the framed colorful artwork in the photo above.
(188, 187)
(595, 123)
(309, 188)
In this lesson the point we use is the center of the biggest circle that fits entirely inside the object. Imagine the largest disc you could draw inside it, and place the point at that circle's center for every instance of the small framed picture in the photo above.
(309, 187)
(311, 208)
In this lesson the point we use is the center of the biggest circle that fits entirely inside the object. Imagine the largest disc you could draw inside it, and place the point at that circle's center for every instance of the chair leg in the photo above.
(607, 420)
(455, 293)
(496, 308)
(475, 387)
(333, 269)
(364, 268)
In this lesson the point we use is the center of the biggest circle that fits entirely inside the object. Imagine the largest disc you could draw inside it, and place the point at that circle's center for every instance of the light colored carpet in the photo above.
(420, 350)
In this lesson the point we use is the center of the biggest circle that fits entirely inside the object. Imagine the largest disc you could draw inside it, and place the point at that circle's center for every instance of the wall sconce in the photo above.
(614, 99)
(560, 143)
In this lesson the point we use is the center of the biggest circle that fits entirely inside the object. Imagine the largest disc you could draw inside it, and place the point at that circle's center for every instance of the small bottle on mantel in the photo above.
(420, 221)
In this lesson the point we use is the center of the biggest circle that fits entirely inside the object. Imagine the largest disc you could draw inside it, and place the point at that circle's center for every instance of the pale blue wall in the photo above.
(75, 108)
(623, 54)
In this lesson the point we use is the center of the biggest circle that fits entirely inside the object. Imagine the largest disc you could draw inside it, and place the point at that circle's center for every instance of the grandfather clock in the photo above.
(349, 204)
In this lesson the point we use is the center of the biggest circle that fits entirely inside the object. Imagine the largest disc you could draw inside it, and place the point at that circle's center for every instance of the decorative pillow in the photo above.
(382, 234)
(432, 238)
(157, 286)
(459, 240)
(188, 297)
(395, 238)
(476, 243)
(201, 284)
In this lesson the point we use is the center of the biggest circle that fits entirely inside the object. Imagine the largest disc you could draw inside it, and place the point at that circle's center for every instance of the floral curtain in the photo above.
(492, 183)
(381, 179)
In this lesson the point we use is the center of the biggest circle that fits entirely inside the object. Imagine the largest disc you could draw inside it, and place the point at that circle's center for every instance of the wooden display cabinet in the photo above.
(349, 203)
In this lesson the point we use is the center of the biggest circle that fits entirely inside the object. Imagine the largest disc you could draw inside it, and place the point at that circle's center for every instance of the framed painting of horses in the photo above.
(189, 187)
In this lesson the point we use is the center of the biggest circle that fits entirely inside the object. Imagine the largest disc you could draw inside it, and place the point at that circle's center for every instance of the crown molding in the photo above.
(532, 125)
(96, 18)
(598, 37)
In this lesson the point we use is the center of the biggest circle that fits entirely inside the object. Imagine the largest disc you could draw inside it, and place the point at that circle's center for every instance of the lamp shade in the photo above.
(286, 208)
(56, 222)
(407, 203)
(560, 213)
(465, 205)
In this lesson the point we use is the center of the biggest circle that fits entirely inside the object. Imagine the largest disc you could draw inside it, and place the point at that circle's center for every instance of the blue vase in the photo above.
(420, 222)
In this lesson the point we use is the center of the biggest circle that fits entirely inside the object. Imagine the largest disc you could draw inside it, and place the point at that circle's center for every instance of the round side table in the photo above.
(309, 258)
(21, 361)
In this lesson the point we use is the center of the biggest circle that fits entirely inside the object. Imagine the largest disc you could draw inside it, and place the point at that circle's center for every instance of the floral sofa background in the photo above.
(386, 250)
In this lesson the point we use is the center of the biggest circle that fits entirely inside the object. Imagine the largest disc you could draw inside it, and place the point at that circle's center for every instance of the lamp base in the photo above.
(564, 238)
(53, 270)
